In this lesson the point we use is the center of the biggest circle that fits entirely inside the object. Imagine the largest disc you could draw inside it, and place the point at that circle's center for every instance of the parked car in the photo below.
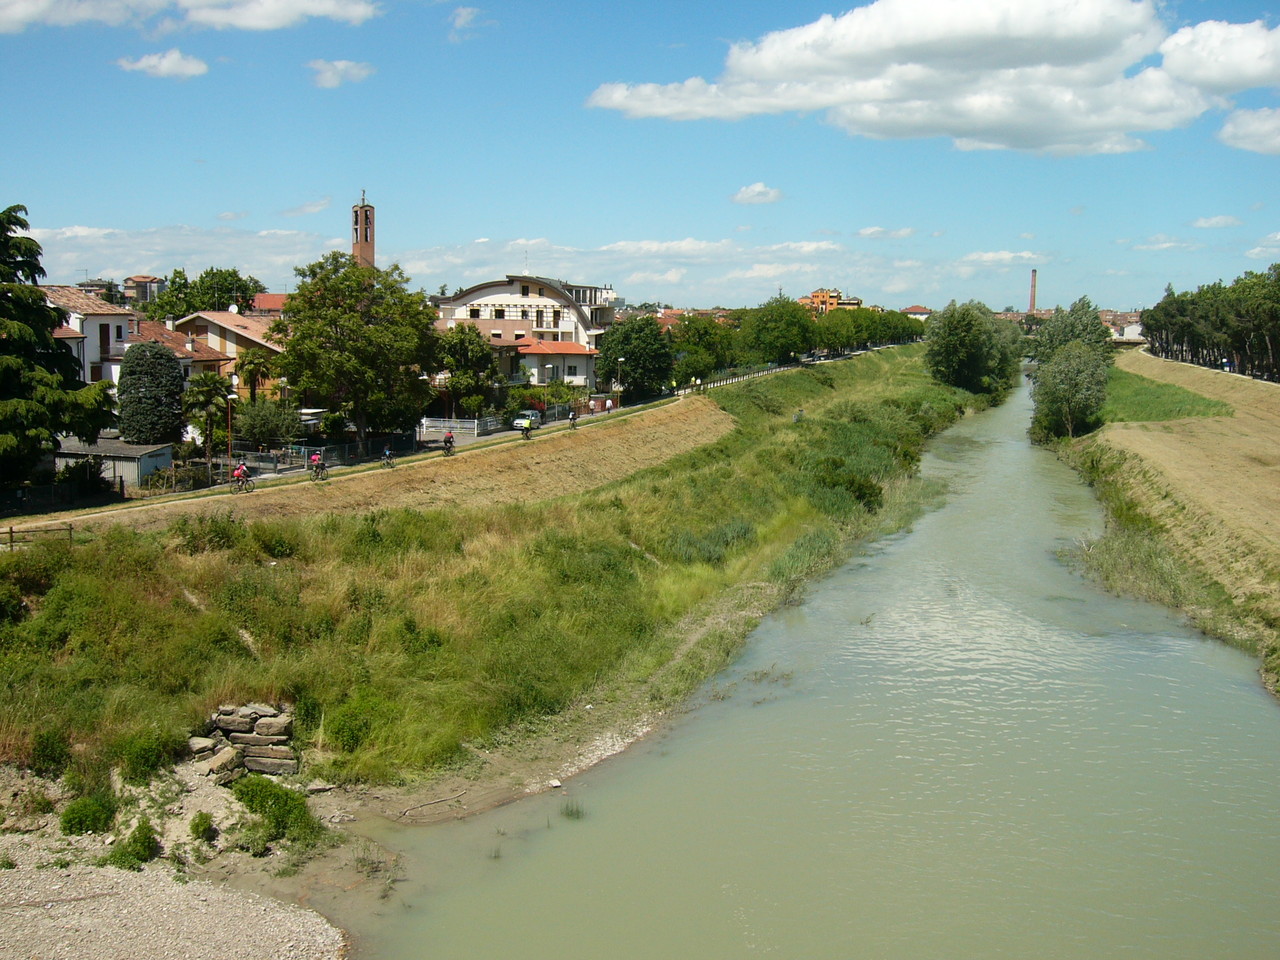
(527, 418)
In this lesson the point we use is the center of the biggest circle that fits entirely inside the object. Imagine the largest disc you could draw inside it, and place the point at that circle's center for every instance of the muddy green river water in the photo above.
(952, 748)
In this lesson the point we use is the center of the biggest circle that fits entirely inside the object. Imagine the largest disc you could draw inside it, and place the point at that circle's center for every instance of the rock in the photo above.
(225, 709)
(254, 740)
(271, 765)
(274, 726)
(319, 786)
(258, 710)
(229, 776)
(276, 752)
(235, 724)
(224, 760)
(200, 744)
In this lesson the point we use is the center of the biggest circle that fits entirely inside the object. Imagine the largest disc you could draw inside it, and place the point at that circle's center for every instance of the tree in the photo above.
(205, 402)
(969, 348)
(702, 346)
(150, 392)
(1078, 324)
(267, 423)
(253, 366)
(217, 288)
(360, 341)
(41, 394)
(1069, 391)
(473, 369)
(777, 331)
(638, 354)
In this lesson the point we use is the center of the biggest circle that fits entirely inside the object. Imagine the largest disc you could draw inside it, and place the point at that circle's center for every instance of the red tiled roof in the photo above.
(255, 328)
(151, 330)
(555, 348)
(915, 308)
(269, 301)
(76, 300)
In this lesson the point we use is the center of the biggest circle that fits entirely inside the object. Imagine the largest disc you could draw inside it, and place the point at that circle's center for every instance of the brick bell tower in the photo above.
(362, 232)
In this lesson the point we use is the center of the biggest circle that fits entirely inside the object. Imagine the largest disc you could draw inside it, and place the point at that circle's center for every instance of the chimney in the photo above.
(1032, 308)
(170, 322)
(191, 344)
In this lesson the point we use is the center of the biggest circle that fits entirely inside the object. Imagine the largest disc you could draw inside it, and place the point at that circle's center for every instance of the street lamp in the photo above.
(546, 389)
(235, 379)
(621, 360)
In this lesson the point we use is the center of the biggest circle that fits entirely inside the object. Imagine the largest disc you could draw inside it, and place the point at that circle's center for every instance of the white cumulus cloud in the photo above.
(334, 73)
(171, 63)
(1268, 248)
(1001, 257)
(1255, 130)
(1054, 76)
(757, 193)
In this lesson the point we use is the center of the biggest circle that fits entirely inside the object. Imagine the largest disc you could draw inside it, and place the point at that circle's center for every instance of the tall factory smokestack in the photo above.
(1032, 308)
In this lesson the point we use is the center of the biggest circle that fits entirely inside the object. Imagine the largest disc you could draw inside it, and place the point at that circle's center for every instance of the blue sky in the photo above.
(905, 151)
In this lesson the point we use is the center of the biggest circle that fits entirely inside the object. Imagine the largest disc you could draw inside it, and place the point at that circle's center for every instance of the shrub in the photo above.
(92, 814)
(202, 827)
(7, 862)
(50, 753)
(283, 812)
(219, 530)
(141, 846)
(141, 754)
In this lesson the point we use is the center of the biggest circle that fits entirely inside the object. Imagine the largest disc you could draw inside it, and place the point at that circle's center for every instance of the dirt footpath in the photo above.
(1214, 481)
(556, 461)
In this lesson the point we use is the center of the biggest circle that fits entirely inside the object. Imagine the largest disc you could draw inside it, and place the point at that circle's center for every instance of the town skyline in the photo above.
(905, 151)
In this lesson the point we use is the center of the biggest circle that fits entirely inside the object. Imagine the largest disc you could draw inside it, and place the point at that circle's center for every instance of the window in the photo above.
(537, 315)
(119, 331)
(555, 316)
(540, 293)
(474, 313)
(499, 313)
(524, 314)
(571, 370)
(524, 289)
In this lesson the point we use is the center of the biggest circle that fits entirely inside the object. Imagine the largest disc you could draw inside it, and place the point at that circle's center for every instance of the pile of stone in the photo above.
(238, 739)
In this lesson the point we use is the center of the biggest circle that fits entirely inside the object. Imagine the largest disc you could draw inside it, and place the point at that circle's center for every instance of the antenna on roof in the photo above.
(526, 261)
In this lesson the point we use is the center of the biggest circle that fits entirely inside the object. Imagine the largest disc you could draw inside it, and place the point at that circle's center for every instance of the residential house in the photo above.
(825, 300)
(98, 334)
(546, 360)
(230, 333)
(143, 288)
(101, 330)
(269, 305)
(533, 308)
(916, 312)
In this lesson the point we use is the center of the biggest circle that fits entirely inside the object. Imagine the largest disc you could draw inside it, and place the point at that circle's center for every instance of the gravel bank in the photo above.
(88, 913)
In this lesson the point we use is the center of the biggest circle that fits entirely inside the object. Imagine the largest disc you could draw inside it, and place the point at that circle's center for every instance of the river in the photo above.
(953, 748)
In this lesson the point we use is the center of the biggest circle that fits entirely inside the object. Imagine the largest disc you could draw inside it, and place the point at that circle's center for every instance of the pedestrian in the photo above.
(591, 406)
(608, 405)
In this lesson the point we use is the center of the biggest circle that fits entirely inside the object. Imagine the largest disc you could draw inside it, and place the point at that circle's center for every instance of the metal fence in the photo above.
(44, 498)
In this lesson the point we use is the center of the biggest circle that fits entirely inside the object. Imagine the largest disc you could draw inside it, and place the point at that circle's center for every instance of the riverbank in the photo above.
(1204, 492)
(685, 534)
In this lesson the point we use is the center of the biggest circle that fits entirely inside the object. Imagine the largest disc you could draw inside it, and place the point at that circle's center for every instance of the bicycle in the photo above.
(241, 485)
(448, 448)
(388, 460)
(319, 472)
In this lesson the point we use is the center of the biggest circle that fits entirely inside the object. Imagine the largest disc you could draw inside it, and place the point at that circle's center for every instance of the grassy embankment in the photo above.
(401, 635)
(1135, 556)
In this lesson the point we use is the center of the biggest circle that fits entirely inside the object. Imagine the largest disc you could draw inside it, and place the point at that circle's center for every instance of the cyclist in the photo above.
(241, 471)
(387, 459)
(527, 430)
(448, 442)
(318, 470)
(573, 419)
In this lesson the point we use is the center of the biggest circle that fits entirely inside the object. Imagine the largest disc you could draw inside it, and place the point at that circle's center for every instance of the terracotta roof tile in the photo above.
(86, 304)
